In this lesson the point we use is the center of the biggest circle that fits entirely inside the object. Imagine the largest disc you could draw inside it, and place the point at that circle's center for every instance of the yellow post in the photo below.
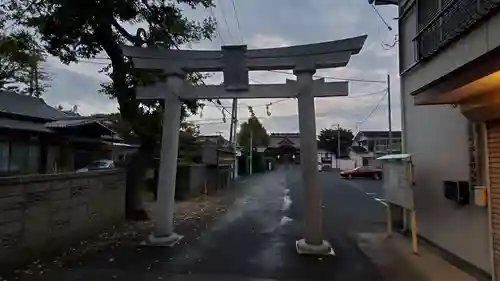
(414, 238)
(389, 219)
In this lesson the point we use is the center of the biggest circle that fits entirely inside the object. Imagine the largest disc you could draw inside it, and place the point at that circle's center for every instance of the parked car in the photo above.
(98, 165)
(326, 167)
(362, 172)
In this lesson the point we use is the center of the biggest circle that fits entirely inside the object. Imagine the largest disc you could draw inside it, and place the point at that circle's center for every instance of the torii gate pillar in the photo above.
(163, 233)
(313, 242)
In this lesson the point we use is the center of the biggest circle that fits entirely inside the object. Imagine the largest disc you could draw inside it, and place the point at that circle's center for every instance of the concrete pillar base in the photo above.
(304, 248)
(162, 241)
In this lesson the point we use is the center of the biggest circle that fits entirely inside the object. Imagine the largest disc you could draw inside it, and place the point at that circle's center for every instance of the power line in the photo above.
(225, 19)
(217, 27)
(381, 18)
(373, 110)
(366, 95)
(93, 62)
(238, 22)
(334, 78)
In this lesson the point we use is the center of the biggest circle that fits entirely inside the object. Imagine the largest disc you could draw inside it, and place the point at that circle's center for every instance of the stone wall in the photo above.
(41, 213)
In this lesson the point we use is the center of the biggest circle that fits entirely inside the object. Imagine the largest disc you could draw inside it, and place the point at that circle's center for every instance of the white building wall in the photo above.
(472, 45)
(437, 136)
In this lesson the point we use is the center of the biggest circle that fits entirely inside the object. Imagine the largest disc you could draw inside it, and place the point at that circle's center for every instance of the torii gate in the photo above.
(235, 62)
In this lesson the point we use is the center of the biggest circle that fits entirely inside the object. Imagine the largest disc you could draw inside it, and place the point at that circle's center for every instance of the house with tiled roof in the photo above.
(37, 138)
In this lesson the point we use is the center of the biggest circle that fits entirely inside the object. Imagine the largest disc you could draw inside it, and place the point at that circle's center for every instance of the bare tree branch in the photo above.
(136, 40)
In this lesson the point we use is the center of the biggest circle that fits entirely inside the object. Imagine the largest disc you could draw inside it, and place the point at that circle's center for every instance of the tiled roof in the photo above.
(23, 125)
(17, 104)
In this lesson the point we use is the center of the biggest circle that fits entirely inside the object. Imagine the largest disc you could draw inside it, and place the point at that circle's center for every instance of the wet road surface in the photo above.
(255, 239)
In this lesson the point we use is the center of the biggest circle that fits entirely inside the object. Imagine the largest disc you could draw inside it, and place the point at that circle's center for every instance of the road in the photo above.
(255, 239)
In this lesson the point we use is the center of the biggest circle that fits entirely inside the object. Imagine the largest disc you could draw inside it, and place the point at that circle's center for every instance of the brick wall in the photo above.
(41, 213)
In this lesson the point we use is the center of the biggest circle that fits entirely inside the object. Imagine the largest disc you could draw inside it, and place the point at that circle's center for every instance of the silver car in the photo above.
(98, 165)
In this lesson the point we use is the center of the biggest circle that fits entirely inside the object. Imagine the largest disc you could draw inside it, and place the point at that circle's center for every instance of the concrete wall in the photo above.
(481, 40)
(41, 213)
(437, 136)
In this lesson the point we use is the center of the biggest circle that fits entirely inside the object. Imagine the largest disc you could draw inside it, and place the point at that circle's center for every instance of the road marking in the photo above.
(381, 201)
(353, 185)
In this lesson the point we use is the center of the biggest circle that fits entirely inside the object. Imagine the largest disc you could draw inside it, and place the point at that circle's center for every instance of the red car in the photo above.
(362, 172)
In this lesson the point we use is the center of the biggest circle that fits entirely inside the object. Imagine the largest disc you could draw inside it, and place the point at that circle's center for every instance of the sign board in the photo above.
(397, 180)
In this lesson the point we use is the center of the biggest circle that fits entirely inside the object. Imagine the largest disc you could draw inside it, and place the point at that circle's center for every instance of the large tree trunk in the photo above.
(129, 106)
(136, 185)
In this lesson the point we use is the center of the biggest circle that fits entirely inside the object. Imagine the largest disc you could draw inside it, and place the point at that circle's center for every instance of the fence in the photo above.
(40, 213)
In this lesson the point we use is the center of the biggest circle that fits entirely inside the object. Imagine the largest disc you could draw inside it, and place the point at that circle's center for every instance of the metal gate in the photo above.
(493, 148)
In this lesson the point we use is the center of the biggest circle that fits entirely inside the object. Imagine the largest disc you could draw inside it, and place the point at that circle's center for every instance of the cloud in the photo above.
(277, 23)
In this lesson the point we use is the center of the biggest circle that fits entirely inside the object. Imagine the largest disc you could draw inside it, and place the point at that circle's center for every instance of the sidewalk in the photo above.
(191, 217)
(396, 262)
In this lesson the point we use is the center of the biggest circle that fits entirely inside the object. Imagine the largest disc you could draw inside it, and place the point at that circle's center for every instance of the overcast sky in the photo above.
(266, 24)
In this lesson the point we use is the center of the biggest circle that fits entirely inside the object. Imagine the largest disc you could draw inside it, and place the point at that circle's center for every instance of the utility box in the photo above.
(397, 176)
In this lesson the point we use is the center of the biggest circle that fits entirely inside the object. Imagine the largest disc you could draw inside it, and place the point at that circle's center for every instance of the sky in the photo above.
(268, 24)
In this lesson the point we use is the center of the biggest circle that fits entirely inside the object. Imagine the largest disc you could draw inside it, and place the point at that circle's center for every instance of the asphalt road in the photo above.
(255, 239)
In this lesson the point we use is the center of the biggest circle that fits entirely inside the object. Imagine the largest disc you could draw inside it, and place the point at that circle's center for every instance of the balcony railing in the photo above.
(454, 18)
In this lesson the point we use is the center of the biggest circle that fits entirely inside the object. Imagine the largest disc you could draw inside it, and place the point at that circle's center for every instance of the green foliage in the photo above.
(260, 136)
(20, 55)
(188, 145)
(83, 29)
(328, 140)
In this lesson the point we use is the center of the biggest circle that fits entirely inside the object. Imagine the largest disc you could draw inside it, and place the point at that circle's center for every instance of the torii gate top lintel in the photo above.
(323, 55)
(235, 60)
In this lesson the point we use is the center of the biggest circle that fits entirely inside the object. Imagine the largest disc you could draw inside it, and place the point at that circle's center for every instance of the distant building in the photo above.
(284, 147)
(377, 142)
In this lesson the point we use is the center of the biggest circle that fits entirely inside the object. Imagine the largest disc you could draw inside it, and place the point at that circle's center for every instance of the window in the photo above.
(33, 159)
(4, 157)
(19, 158)
(442, 21)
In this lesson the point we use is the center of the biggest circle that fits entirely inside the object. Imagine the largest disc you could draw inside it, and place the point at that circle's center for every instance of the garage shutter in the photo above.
(493, 131)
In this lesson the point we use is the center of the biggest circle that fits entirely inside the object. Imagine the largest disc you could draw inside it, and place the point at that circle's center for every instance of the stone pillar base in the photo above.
(304, 248)
(162, 241)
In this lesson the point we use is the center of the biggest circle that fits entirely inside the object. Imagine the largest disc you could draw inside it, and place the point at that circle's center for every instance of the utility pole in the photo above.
(389, 149)
(232, 137)
(338, 146)
(250, 152)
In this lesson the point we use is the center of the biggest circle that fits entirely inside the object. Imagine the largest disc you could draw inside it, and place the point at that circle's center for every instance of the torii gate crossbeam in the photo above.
(235, 62)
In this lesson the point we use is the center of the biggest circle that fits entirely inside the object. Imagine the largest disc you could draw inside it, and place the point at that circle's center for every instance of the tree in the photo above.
(20, 58)
(328, 140)
(188, 145)
(253, 126)
(84, 29)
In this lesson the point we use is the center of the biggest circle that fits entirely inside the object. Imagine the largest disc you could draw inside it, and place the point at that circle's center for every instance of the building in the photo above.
(378, 141)
(450, 81)
(361, 156)
(285, 147)
(36, 138)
